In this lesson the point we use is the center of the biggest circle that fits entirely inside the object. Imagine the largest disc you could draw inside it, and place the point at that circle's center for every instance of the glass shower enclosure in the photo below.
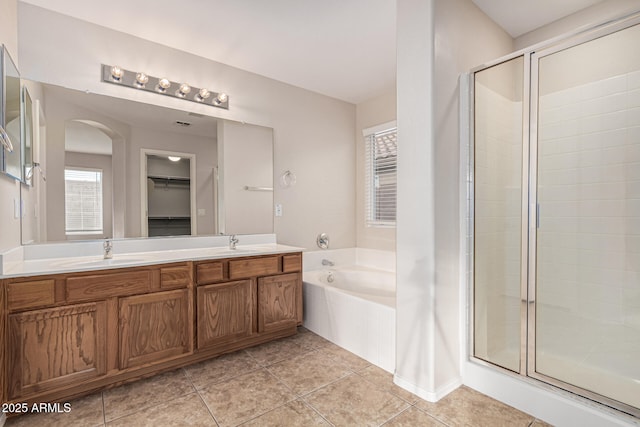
(556, 214)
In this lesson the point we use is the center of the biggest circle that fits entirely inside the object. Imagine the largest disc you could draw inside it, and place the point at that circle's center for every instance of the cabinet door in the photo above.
(225, 312)
(154, 327)
(56, 347)
(279, 302)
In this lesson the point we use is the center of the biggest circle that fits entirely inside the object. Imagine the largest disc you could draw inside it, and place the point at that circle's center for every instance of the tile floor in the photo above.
(303, 380)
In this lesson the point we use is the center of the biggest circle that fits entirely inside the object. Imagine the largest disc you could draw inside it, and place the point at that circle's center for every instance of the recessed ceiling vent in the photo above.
(185, 124)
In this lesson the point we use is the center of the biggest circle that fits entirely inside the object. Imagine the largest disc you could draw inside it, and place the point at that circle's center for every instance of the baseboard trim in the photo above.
(429, 396)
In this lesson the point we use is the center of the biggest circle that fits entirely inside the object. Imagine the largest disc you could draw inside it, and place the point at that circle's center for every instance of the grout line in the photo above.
(313, 408)
(208, 409)
(395, 416)
(104, 410)
(144, 408)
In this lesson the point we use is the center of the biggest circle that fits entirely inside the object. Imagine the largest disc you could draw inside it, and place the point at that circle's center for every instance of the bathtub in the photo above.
(352, 303)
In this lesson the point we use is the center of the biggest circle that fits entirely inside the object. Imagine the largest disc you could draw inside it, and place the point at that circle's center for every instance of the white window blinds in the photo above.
(83, 201)
(381, 166)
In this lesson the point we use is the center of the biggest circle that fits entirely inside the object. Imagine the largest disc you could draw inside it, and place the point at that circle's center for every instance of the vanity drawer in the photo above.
(291, 263)
(107, 285)
(178, 276)
(252, 267)
(37, 293)
(209, 272)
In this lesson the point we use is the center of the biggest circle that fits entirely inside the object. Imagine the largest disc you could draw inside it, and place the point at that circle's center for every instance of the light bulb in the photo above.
(174, 158)
(203, 94)
(141, 79)
(163, 84)
(184, 89)
(221, 98)
(116, 73)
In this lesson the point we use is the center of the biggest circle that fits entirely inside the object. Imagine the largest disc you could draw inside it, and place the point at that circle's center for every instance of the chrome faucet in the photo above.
(233, 241)
(327, 262)
(107, 247)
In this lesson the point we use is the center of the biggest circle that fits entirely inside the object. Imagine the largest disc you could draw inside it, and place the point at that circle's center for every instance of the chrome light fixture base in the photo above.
(142, 81)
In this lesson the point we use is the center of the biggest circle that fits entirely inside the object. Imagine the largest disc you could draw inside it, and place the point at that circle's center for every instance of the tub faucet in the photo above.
(327, 262)
(107, 248)
(233, 241)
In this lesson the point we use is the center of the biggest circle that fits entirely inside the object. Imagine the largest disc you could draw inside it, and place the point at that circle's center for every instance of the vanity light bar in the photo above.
(163, 86)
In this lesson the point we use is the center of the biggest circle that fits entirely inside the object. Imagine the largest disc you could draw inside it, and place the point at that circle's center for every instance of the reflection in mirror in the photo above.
(12, 124)
(167, 194)
(111, 136)
(87, 181)
(27, 134)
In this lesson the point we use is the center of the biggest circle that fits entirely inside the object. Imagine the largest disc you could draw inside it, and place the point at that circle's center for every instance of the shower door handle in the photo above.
(537, 215)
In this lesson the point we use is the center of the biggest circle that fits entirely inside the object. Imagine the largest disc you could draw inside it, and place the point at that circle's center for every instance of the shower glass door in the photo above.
(498, 158)
(587, 236)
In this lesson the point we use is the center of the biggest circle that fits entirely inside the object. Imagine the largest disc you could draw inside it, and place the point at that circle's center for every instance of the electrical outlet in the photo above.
(278, 209)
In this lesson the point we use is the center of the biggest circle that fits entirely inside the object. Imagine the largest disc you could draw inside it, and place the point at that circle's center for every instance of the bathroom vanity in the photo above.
(68, 333)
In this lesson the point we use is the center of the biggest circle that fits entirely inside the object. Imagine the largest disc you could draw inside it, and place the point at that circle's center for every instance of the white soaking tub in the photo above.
(353, 302)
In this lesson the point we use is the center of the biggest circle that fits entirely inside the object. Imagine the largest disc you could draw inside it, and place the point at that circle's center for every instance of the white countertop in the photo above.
(69, 264)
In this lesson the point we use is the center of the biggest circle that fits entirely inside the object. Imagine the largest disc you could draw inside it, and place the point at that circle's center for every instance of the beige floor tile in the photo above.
(133, 397)
(185, 411)
(85, 412)
(413, 417)
(308, 340)
(384, 380)
(242, 398)
(309, 371)
(221, 368)
(354, 362)
(465, 406)
(275, 351)
(353, 401)
(293, 414)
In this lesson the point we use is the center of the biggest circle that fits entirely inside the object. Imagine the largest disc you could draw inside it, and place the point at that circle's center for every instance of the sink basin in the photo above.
(99, 262)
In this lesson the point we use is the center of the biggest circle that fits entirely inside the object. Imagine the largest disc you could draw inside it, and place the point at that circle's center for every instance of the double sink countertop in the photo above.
(65, 258)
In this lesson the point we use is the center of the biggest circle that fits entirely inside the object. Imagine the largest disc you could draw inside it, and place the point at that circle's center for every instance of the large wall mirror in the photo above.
(111, 162)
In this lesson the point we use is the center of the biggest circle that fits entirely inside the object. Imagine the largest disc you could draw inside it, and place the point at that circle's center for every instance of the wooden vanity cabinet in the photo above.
(279, 302)
(64, 335)
(56, 347)
(244, 297)
(225, 312)
(154, 327)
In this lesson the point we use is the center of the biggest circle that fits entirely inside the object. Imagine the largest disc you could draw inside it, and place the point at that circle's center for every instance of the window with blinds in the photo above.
(381, 154)
(83, 201)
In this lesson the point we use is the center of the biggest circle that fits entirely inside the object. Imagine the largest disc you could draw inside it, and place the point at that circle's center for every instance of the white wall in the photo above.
(313, 134)
(9, 189)
(428, 252)
(376, 111)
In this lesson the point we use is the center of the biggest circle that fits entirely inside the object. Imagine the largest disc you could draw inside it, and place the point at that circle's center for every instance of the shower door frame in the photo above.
(529, 210)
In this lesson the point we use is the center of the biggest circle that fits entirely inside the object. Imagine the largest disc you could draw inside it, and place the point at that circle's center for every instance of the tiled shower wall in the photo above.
(589, 237)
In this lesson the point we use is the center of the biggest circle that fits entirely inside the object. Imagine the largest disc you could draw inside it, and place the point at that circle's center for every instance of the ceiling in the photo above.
(518, 17)
(341, 48)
